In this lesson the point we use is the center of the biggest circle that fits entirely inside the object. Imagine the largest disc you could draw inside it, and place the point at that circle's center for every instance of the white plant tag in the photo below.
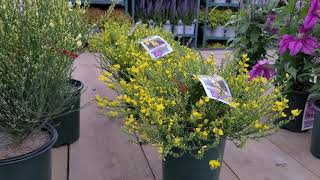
(156, 47)
(216, 88)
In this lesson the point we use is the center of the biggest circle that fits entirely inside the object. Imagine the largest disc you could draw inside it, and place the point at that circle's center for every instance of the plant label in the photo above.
(216, 88)
(156, 47)
(309, 113)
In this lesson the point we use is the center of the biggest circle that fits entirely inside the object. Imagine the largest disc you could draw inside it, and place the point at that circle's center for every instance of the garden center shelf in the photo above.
(196, 14)
(227, 5)
(212, 4)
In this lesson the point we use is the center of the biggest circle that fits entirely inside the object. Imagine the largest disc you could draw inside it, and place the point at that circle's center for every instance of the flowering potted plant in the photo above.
(169, 108)
(298, 49)
(35, 72)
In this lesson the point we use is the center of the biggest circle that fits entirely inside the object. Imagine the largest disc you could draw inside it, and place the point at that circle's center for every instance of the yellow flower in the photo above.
(214, 164)
(265, 127)
(113, 114)
(257, 125)
(283, 114)
(114, 103)
(196, 114)
(116, 66)
(103, 78)
(234, 104)
(173, 103)
(217, 131)
(206, 99)
(295, 112)
(108, 74)
(160, 107)
(177, 141)
(287, 76)
(199, 103)
(111, 86)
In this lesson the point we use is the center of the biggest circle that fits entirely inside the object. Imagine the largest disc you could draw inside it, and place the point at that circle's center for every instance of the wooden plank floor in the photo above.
(104, 153)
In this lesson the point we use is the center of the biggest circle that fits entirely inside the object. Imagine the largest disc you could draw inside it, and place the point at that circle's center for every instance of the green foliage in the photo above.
(217, 17)
(253, 36)
(34, 71)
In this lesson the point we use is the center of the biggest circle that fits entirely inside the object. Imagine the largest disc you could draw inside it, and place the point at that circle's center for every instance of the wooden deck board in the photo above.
(103, 151)
(60, 163)
(297, 145)
(156, 165)
(264, 161)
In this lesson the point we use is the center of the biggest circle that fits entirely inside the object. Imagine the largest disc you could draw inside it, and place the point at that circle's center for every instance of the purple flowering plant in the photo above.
(298, 45)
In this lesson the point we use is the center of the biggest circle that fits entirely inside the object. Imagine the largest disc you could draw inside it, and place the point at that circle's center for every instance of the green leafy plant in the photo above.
(217, 17)
(38, 37)
(254, 35)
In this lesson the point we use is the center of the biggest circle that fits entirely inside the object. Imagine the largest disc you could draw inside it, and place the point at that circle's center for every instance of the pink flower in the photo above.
(313, 15)
(300, 43)
(262, 68)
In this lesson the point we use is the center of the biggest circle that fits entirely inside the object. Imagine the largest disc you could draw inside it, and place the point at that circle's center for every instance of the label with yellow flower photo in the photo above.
(309, 113)
(156, 46)
(216, 88)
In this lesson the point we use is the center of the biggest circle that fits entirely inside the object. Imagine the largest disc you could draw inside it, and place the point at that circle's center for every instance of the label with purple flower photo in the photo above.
(156, 46)
(216, 88)
(309, 113)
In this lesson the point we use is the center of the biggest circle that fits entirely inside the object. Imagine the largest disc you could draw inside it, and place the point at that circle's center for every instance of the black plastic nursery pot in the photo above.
(68, 125)
(189, 168)
(315, 138)
(35, 165)
(297, 100)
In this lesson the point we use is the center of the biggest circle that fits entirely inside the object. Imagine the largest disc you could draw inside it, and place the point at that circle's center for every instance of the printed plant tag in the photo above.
(216, 88)
(156, 47)
(309, 113)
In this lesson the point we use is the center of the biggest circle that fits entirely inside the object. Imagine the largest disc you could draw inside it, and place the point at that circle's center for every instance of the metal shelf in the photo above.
(217, 38)
(228, 5)
(197, 14)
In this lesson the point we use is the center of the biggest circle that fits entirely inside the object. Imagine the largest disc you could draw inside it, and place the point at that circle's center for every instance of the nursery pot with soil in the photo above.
(34, 165)
(188, 167)
(297, 100)
(315, 138)
(68, 124)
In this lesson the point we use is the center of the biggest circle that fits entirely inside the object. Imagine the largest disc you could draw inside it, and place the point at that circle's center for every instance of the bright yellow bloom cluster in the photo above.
(214, 164)
(165, 104)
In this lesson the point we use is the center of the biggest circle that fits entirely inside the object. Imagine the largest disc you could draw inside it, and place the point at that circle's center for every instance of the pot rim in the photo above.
(53, 135)
(78, 85)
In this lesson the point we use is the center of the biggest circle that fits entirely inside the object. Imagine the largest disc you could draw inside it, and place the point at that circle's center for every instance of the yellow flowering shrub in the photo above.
(164, 103)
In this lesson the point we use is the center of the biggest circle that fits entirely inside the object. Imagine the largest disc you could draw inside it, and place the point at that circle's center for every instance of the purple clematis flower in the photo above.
(262, 68)
(300, 43)
(313, 15)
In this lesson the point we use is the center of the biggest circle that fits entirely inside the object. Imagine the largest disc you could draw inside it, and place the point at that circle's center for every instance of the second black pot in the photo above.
(297, 100)
(68, 125)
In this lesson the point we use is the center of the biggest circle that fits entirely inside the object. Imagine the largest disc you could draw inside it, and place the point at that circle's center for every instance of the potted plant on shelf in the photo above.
(169, 108)
(35, 72)
(217, 19)
(298, 52)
